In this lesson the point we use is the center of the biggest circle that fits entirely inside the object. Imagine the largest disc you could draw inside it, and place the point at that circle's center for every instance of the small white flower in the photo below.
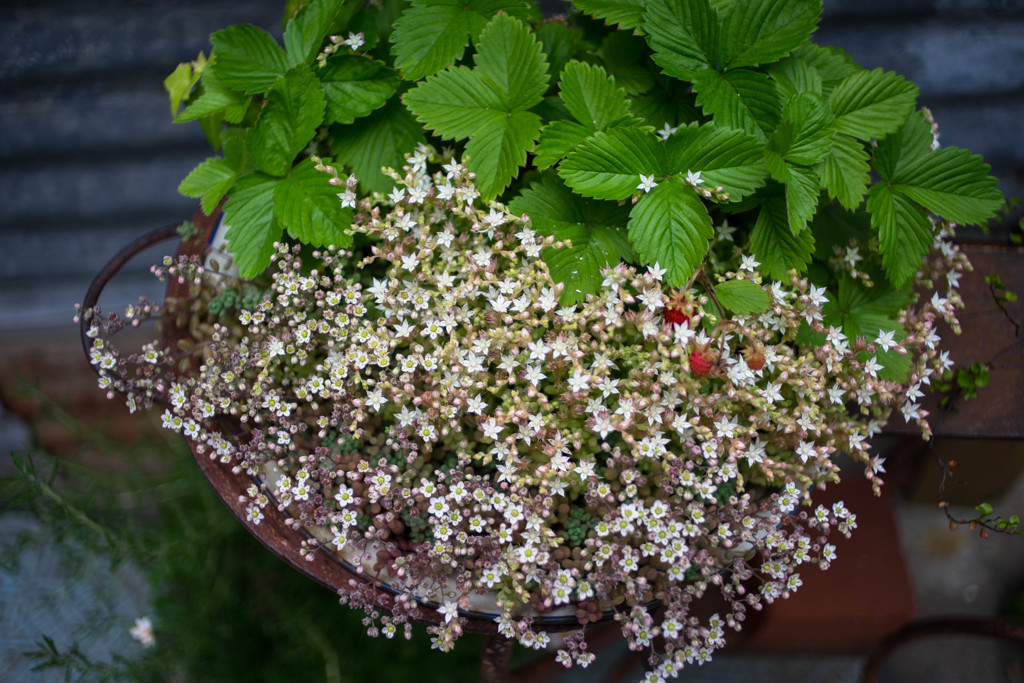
(885, 339)
(410, 262)
(694, 179)
(806, 451)
(656, 271)
(749, 264)
(142, 631)
(817, 296)
(375, 399)
(646, 183)
(667, 131)
(354, 40)
(872, 366)
(494, 218)
(449, 609)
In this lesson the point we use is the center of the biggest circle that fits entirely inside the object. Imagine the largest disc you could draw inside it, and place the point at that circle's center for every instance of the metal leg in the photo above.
(494, 664)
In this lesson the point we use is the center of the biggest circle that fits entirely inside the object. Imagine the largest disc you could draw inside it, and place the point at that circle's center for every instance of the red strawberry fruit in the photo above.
(702, 360)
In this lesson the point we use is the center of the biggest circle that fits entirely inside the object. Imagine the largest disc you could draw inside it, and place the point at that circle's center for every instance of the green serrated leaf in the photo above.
(248, 59)
(743, 297)
(659, 107)
(213, 128)
(740, 98)
(214, 98)
(609, 164)
(724, 157)
(670, 226)
(488, 104)
(802, 192)
(496, 152)
(628, 14)
(596, 229)
(832, 65)
(865, 311)
(774, 244)
(684, 36)
(592, 96)
(453, 102)
(307, 206)
(210, 180)
(509, 58)
(558, 139)
(430, 36)
(558, 42)
(252, 231)
(306, 31)
(833, 226)
(872, 104)
(179, 84)
(294, 109)
(845, 171)
(952, 183)
(762, 31)
(904, 232)
(895, 366)
(793, 76)
(622, 54)
(813, 128)
(912, 141)
(373, 142)
(356, 86)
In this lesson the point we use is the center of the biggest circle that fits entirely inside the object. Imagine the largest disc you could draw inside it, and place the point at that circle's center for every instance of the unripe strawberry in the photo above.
(754, 355)
(702, 360)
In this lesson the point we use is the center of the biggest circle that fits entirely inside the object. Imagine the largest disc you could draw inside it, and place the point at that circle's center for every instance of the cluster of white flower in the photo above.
(436, 398)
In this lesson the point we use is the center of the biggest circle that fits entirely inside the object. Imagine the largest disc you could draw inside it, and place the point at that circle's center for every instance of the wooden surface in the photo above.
(991, 336)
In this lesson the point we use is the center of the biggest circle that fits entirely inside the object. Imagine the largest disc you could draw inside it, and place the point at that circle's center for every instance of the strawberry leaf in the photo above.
(307, 206)
(306, 31)
(489, 104)
(592, 96)
(872, 104)
(558, 139)
(740, 98)
(294, 109)
(684, 35)
(904, 232)
(249, 212)
(670, 226)
(761, 31)
(377, 141)
(844, 171)
(213, 98)
(432, 35)
(355, 86)
(609, 164)
(774, 244)
(247, 58)
(724, 157)
(743, 297)
(210, 180)
(626, 13)
(596, 229)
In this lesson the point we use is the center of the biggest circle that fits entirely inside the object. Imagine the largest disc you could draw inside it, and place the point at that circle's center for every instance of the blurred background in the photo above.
(104, 520)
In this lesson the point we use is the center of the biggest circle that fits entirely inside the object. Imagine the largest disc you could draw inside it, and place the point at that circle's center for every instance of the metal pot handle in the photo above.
(122, 257)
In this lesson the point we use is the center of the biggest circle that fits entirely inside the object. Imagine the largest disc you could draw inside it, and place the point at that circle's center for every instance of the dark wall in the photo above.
(89, 158)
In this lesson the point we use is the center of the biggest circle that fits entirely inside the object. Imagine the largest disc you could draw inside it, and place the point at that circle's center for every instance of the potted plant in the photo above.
(552, 320)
